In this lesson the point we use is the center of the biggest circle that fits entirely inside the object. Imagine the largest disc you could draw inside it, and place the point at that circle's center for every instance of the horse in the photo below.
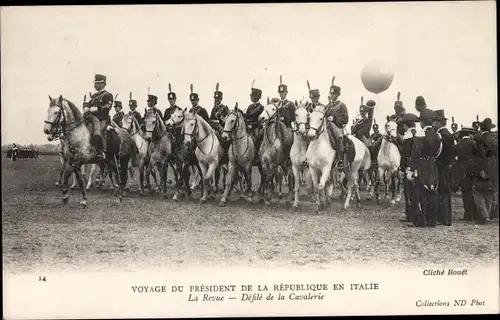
(198, 134)
(159, 146)
(389, 161)
(77, 149)
(131, 124)
(274, 150)
(241, 152)
(298, 152)
(320, 156)
(184, 159)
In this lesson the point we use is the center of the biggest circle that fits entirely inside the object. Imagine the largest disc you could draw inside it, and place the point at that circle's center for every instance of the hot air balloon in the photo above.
(377, 76)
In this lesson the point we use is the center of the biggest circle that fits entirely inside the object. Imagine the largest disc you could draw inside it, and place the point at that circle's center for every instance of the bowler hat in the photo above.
(99, 78)
(487, 124)
(256, 92)
(193, 96)
(334, 89)
(314, 93)
(408, 117)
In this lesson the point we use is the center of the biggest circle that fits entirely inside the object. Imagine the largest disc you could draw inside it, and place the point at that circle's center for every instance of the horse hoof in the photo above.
(222, 203)
(358, 206)
(57, 183)
(65, 200)
(267, 203)
(295, 207)
(83, 204)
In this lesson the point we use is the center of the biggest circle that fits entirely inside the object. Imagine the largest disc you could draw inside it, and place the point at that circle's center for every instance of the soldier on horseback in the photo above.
(252, 116)
(118, 117)
(97, 113)
(338, 117)
(196, 108)
(219, 111)
(376, 135)
(171, 97)
(361, 128)
(286, 108)
(132, 104)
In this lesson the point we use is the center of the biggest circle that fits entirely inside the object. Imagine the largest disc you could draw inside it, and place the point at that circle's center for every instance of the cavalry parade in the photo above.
(413, 155)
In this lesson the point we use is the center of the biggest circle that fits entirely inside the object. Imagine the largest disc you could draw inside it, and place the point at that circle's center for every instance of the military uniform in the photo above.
(361, 128)
(118, 116)
(444, 162)
(133, 106)
(154, 100)
(485, 184)
(410, 192)
(286, 108)
(338, 117)
(219, 111)
(425, 149)
(376, 135)
(102, 102)
(252, 116)
(170, 110)
(465, 152)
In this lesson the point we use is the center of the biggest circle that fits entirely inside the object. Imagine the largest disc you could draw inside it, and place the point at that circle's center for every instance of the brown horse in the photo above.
(77, 150)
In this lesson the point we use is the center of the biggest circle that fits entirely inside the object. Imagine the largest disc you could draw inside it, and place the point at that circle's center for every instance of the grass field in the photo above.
(40, 233)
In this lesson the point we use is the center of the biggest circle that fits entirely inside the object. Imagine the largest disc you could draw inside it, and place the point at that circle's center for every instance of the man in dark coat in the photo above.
(361, 128)
(219, 111)
(426, 146)
(132, 104)
(408, 123)
(486, 183)
(196, 108)
(252, 116)
(172, 98)
(376, 135)
(338, 117)
(118, 116)
(464, 169)
(99, 106)
(286, 108)
(444, 162)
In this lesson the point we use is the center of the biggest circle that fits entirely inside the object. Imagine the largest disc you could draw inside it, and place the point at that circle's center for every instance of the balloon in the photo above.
(377, 76)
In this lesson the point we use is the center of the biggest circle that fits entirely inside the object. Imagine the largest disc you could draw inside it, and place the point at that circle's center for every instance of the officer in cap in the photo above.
(426, 147)
(195, 107)
(132, 104)
(118, 116)
(219, 111)
(444, 162)
(99, 106)
(314, 95)
(253, 113)
(286, 108)
(172, 98)
(408, 123)
(338, 117)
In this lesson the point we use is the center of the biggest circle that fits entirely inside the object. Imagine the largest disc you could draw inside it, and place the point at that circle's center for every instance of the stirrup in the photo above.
(340, 164)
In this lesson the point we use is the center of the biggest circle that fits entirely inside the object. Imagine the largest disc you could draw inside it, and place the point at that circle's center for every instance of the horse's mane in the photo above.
(206, 126)
(74, 109)
(320, 108)
(136, 123)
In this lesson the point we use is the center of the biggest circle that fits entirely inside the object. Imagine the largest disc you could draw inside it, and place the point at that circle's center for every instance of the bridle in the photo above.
(131, 126)
(61, 121)
(321, 128)
(155, 128)
(306, 124)
(196, 132)
(235, 127)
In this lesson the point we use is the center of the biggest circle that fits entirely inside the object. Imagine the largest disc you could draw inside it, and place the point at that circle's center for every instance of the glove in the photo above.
(409, 175)
(330, 118)
(482, 174)
(86, 109)
(94, 109)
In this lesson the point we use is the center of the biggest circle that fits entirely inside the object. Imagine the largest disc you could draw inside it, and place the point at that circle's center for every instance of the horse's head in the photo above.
(176, 118)
(270, 113)
(232, 124)
(391, 129)
(301, 118)
(60, 114)
(151, 122)
(190, 128)
(316, 122)
(127, 122)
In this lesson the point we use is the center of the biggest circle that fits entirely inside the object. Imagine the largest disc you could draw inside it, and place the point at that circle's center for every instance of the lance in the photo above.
(253, 82)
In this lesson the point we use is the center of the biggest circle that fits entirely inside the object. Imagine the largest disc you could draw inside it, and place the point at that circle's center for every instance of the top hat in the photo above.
(487, 124)
(99, 78)
(440, 115)
(217, 94)
(171, 95)
(282, 87)
(427, 114)
(193, 96)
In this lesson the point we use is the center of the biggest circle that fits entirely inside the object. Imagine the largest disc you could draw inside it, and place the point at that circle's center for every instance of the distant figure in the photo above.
(15, 151)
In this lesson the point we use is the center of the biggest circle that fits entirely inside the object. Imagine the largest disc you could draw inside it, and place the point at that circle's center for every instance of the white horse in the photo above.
(389, 161)
(320, 156)
(208, 150)
(298, 152)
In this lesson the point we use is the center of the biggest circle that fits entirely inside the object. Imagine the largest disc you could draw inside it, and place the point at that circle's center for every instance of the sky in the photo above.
(444, 51)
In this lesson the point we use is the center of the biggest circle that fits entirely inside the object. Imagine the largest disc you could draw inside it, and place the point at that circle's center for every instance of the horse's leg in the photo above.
(186, 174)
(81, 183)
(356, 191)
(372, 177)
(325, 174)
(149, 169)
(205, 181)
(350, 182)
(314, 178)
(67, 173)
(291, 183)
(162, 167)
(122, 171)
(296, 172)
(227, 189)
(393, 187)
(141, 176)
(400, 188)
(379, 178)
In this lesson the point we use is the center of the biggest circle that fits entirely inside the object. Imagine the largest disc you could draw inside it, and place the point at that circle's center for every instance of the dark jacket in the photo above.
(169, 111)
(286, 109)
(338, 111)
(446, 157)
(426, 146)
(103, 100)
(253, 113)
(219, 112)
(202, 112)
